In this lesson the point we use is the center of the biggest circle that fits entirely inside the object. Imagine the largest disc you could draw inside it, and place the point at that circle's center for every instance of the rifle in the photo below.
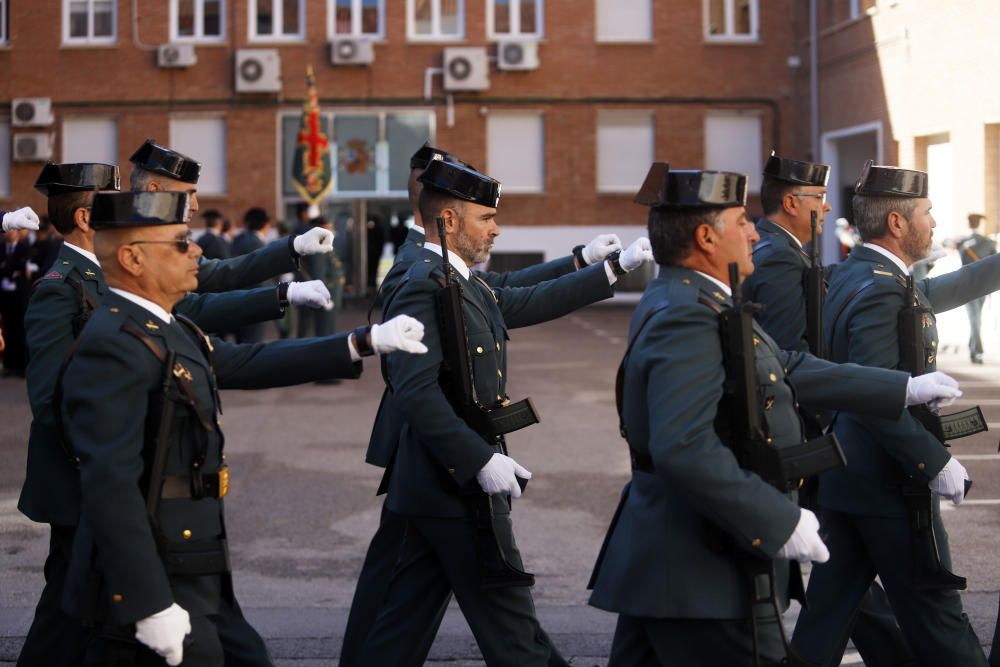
(457, 380)
(930, 574)
(750, 439)
(815, 293)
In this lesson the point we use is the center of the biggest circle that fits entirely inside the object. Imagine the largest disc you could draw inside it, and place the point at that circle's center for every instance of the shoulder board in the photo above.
(763, 243)
(706, 300)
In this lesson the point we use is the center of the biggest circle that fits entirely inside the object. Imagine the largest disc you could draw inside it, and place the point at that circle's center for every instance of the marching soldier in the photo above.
(452, 479)
(793, 194)
(150, 559)
(972, 248)
(384, 548)
(697, 559)
(879, 512)
(62, 302)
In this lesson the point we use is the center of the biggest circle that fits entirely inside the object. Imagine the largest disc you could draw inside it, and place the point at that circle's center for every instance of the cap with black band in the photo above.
(166, 162)
(680, 189)
(463, 182)
(57, 179)
(121, 210)
(796, 172)
(886, 181)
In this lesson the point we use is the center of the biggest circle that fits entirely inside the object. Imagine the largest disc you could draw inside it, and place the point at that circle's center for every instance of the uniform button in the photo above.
(933, 343)
(498, 347)
(773, 377)
(186, 534)
(770, 440)
(499, 373)
(921, 467)
(499, 397)
(479, 349)
(756, 341)
(420, 245)
(117, 598)
(685, 282)
(113, 310)
(796, 405)
(427, 261)
(451, 471)
(755, 542)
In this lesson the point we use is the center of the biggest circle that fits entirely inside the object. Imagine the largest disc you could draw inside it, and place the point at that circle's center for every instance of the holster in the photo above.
(929, 572)
(495, 571)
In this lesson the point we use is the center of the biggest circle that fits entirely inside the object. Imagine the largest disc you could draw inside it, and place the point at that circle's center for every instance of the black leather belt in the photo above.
(215, 485)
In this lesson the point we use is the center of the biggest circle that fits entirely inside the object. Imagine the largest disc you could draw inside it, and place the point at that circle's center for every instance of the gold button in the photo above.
(756, 341)
(499, 397)
(921, 466)
(498, 347)
(117, 598)
(451, 471)
(479, 349)
(195, 465)
(499, 373)
(773, 377)
(113, 310)
(186, 534)
(796, 405)
(755, 542)
(419, 244)
(933, 343)
(65, 262)
(427, 261)
(770, 440)
(685, 282)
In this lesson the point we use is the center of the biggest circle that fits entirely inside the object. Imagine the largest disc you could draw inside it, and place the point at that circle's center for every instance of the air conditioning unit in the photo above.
(517, 55)
(31, 112)
(258, 71)
(32, 147)
(176, 55)
(352, 52)
(466, 68)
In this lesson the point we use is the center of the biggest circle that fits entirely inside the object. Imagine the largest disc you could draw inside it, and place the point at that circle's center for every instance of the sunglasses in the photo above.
(821, 196)
(182, 244)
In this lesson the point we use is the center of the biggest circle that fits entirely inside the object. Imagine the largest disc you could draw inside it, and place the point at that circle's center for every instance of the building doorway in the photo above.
(846, 151)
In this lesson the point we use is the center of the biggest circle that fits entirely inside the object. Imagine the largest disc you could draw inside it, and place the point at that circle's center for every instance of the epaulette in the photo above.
(881, 272)
(763, 243)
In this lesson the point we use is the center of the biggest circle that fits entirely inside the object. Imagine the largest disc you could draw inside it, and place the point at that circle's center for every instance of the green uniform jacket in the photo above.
(385, 434)
(777, 283)
(438, 453)
(248, 270)
(674, 549)
(109, 423)
(51, 490)
(860, 320)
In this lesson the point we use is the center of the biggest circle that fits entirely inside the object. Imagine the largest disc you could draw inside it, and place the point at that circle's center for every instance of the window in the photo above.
(369, 151)
(4, 158)
(431, 20)
(204, 139)
(89, 21)
(357, 18)
(277, 20)
(197, 20)
(861, 7)
(731, 20)
(625, 141)
(516, 145)
(733, 142)
(90, 140)
(514, 18)
(624, 21)
(3, 22)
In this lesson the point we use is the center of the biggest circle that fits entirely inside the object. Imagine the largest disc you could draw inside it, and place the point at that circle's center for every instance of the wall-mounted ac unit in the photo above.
(466, 68)
(352, 51)
(176, 55)
(31, 112)
(258, 71)
(517, 55)
(32, 147)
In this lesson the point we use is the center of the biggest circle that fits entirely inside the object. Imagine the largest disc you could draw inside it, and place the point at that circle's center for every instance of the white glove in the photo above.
(636, 254)
(31, 268)
(400, 333)
(314, 242)
(805, 543)
(936, 388)
(600, 247)
(312, 293)
(22, 218)
(500, 474)
(164, 632)
(950, 482)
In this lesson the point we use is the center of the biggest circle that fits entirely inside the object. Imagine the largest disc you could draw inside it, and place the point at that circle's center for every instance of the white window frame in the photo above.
(279, 35)
(648, 114)
(331, 22)
(225, 146)
(621, 39)
(435, 34)
(199, 36)
(728, 36)
(89, 39)
(6, 159)
(521, 189)
(515, 20)
(64, 136)
(3, 22)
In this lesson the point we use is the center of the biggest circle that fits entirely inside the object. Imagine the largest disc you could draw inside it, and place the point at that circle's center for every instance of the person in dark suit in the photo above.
(213, 246)
(15, 284)
(792, 190)
(383, 550)
(256, 224)
(152, 530)
(45, 249)
(683, 562)
(868, 520)
(972, 248)
(440, 456)
(329, 270)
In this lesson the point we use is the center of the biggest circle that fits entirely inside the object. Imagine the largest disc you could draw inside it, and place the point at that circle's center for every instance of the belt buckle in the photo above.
(223, 481)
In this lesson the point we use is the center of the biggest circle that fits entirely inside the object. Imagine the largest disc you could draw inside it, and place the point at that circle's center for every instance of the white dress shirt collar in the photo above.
(86, 253)
(723, 286)
(892, 256)
(155, 309)
(455, 260)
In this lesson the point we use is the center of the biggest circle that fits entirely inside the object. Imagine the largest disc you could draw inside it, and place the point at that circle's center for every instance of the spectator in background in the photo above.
(213, 246)
(329, 269)
(15, 286)
(46, 247)
(226, 234)
(257, 223)
(974, 247)
(376, 238)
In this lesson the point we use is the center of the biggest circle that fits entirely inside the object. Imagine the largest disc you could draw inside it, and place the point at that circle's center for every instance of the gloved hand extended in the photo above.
(805, 544)
(636, 254)
(400, 333)
(600, 247)
(314, 242)
(22, 218)
(937, 389)
(312, 293)
(500, 474)
(950, 482)
(164, 632)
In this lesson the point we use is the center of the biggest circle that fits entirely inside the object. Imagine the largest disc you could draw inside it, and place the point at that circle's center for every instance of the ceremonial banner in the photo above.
(311, 173)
